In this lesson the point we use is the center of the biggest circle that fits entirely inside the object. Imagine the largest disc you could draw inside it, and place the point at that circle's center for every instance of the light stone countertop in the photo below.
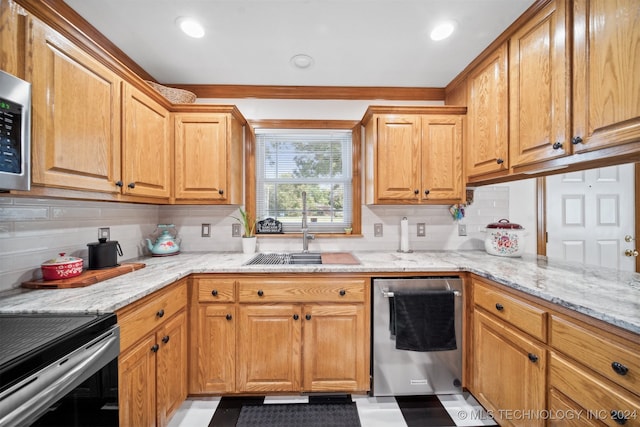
(609, 295)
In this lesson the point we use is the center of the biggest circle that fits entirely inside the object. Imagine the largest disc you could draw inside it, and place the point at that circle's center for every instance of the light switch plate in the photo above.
(377, 229)
(235, 230)
(462, 229)
(206, 230)
(104, 232)
(420, 229)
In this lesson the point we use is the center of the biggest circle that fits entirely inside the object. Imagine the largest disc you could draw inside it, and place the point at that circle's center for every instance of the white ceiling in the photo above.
(352, 42)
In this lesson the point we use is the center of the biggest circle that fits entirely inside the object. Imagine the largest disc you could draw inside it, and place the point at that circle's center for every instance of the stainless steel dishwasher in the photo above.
(402, 372)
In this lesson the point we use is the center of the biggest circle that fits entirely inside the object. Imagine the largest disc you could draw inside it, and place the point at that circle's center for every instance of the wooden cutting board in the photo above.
(339, 258)
(88, 277)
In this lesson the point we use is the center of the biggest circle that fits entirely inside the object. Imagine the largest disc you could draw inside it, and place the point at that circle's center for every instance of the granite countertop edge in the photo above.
(609, 295)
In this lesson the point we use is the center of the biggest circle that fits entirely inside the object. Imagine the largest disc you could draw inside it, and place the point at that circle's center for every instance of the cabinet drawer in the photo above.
(148, 313)
(519, 313)
(307, 289)
(619, 363)
(595, 395)
(216, 290)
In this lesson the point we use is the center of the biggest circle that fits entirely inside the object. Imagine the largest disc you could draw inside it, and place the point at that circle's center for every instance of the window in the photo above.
(318, 162)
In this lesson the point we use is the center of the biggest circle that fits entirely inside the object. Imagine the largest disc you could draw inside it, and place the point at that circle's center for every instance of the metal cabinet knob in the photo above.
(557, 145)
(426, 192)
(160, 313)
(576, 140)
(499, 306)
(165, 339)
(221, 192)
(214, 292)
(308, 317)
(119, 184)
(228, 317)
(342, 292)
(296, 317)
(532, 357)
(499, 161)
(132, 185)
(155, 348)
(619, 368)
(260, 293)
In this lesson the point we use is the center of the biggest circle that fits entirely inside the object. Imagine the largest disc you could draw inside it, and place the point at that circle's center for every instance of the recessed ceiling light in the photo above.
(190, 27)
(301, 61)
(442, 30)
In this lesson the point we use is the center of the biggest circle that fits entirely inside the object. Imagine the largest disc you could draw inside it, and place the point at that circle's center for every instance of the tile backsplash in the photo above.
(34, 230)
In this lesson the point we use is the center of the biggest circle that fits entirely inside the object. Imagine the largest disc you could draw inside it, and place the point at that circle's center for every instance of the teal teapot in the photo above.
(167, 242)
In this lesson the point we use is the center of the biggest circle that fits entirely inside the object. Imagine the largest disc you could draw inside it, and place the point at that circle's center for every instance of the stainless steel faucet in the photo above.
(305, 228)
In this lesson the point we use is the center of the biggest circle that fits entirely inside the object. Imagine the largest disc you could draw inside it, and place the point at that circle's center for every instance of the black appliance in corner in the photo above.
(59, 370)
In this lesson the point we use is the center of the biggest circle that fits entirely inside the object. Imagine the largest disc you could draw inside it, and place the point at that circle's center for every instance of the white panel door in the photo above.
(589, 213)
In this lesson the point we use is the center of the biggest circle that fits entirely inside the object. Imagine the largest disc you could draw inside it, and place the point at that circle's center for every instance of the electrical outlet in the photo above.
(235, 230)
(206, 230)
(420, 229)
(104, 232)
(377, 229)
(462, 229)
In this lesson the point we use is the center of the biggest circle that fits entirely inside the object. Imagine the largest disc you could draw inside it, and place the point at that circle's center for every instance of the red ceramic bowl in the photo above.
(62, 267)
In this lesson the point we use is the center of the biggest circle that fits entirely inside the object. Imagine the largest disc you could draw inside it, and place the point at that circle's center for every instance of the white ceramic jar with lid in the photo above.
(504, 238)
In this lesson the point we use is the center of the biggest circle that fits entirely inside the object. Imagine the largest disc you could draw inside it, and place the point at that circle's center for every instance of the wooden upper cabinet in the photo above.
(208, 157)
(75, 138)
(147, 165)
(487, 137)
(414, 155)
(397, 165)
(539, 87)
(606, 82)
(442, 157)
(12, 48)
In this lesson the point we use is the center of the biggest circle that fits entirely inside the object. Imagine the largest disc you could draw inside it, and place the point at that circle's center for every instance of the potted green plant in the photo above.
(249, 231)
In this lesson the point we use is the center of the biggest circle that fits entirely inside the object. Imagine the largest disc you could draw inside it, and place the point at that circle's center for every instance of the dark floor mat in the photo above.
(299, 415)
(424, 411)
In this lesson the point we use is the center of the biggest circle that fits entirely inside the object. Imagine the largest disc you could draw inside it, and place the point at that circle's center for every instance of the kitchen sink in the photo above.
(286, 258)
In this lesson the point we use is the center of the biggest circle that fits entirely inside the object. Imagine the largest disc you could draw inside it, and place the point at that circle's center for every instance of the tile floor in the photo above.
(417, 411)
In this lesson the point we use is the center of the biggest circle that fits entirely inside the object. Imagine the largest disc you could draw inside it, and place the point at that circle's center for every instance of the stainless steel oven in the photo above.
(59, 370)
(404, 372)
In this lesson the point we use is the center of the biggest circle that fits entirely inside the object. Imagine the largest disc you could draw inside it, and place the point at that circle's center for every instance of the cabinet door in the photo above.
(172, 367)
(146, 159)
(487, 144)
(269, 342)
(201, 156)
(606, 107)
(397, 158)
(76, 114)
(539, 87)
(442, 158)
(508, 371)
(214, 352)
(137, 384)
(334, 348)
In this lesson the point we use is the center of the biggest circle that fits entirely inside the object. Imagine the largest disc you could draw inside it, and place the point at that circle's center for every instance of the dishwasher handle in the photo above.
(388, 294)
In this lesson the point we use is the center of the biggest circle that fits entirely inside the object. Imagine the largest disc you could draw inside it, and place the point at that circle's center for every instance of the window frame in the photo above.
(356, 180)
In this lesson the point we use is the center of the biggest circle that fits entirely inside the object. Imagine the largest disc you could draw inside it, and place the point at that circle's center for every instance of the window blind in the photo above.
(289, 162)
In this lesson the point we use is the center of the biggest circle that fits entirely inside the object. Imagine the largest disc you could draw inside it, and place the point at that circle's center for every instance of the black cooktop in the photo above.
(29, 342)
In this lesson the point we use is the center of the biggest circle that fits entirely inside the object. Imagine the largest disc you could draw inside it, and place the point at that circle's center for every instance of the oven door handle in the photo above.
(30, 398)
(389, 294)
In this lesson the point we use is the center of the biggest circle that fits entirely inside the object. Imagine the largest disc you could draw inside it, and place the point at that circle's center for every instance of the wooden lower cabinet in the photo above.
(152, 366)
(269, 347)
(310, 347)
(261, 334)
(509, 371)
(594, 399)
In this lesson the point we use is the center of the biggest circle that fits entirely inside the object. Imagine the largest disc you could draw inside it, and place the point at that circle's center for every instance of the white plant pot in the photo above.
(249, 245)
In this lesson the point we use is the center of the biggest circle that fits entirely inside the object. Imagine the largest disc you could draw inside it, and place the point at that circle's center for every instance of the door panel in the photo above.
(589, 213)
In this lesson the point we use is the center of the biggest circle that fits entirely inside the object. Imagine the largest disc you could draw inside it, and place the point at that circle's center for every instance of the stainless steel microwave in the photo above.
(15, 133)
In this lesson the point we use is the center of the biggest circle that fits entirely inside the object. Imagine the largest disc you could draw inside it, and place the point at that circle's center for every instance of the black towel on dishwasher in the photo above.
(424, 320)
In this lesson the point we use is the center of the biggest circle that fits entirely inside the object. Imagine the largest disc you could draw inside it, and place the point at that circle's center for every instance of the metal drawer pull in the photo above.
(387, 294)
(619, 368)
